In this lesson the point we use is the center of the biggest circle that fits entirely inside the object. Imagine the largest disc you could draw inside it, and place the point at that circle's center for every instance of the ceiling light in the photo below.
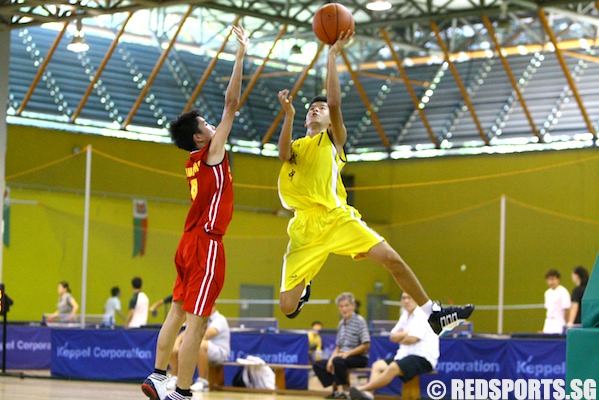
(78, 44)
(378, 5)
(296, 49)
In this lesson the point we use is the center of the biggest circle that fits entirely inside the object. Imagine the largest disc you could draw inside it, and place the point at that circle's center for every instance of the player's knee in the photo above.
(204, 346)
(379, 365)
(287, 306)
(397, 370)
(394, 263)
(338, 361)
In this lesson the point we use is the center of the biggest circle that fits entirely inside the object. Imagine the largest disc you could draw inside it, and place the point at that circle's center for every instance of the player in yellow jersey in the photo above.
(310, 184)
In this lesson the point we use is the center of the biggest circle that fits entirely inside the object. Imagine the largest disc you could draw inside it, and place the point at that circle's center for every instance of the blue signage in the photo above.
(128, 355)
(113, 355)
(273, 348)
(484, 359)
(27, 347)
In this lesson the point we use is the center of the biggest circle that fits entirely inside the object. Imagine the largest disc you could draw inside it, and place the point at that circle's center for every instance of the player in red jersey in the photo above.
(200, 257)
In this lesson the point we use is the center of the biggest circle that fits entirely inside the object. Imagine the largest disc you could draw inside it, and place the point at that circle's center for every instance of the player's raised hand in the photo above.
(342, 41)
(242, 37)
(286, 101)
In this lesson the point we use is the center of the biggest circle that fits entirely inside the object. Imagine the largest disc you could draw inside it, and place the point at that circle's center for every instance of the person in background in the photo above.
(138, 306)
(215, 347)
(580, 277)
(164, 301)
(112, 307)
(67, 305)
(418, 351)
(315, 342)
(351, 350)
(557, 304)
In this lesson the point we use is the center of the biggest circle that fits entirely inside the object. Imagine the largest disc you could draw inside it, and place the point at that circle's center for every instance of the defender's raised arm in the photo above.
(232, 97)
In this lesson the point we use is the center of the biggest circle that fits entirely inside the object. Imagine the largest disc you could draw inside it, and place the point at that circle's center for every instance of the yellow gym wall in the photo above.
(441, 214)
(444, 216)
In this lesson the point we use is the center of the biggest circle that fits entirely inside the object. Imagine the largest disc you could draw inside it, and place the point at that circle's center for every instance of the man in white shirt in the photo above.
(557, 304)
(215, 347)
(138, 306)
(417, 354)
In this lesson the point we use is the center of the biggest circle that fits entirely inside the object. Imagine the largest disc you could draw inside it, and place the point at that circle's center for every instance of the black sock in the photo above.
(160, 371)
(184, 392)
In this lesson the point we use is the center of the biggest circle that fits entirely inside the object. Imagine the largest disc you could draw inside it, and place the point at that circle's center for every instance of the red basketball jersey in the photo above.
(211, 189)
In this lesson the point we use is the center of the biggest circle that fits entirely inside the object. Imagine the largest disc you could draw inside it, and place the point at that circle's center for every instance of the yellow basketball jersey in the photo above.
(312, 176)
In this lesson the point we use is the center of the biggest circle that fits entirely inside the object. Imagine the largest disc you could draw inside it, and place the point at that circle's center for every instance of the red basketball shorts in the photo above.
(200, 262)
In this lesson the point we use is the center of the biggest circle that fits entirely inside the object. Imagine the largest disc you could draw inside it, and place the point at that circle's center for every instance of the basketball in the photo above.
(330, 20)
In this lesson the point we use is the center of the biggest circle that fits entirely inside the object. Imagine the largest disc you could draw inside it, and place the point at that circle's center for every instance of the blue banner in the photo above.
(282, 348)
(128, 355)
(112, 355)
(27, 347)
(484, 359)
(537, 358)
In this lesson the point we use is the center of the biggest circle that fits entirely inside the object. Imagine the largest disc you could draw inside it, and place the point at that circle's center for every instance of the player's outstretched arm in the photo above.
(232, 96)
(334, 90)
(286, 135)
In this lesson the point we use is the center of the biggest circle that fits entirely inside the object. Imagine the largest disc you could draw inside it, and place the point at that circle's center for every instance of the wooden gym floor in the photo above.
(41, 388)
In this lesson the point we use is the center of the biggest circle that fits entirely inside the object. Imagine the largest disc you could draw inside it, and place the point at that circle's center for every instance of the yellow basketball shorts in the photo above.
(318, 232)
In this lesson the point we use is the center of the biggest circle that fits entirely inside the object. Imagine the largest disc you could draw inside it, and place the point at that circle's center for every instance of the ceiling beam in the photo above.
(396, 17)
(366, 101)
(157, 66)
(557, 10)
(567, 74)
(512, 79)
(461, 87)
(410, 89)
(42, 69)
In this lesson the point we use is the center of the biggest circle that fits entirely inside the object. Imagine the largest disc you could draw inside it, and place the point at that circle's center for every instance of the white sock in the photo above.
(427, 307)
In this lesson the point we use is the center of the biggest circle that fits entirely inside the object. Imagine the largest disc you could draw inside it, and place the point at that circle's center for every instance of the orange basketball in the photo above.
(330, 20)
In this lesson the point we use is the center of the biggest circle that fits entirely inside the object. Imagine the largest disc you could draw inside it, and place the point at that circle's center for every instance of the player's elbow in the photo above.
(284, 155)
(232, 102)
(334, 103)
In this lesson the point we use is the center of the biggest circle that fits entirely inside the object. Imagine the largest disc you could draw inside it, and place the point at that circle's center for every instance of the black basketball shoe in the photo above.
(444, 319)
(303, 300)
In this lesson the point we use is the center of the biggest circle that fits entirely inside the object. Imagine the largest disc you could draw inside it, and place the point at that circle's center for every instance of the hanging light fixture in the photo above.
(378, 5)
(296, 49)
(78, 44)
